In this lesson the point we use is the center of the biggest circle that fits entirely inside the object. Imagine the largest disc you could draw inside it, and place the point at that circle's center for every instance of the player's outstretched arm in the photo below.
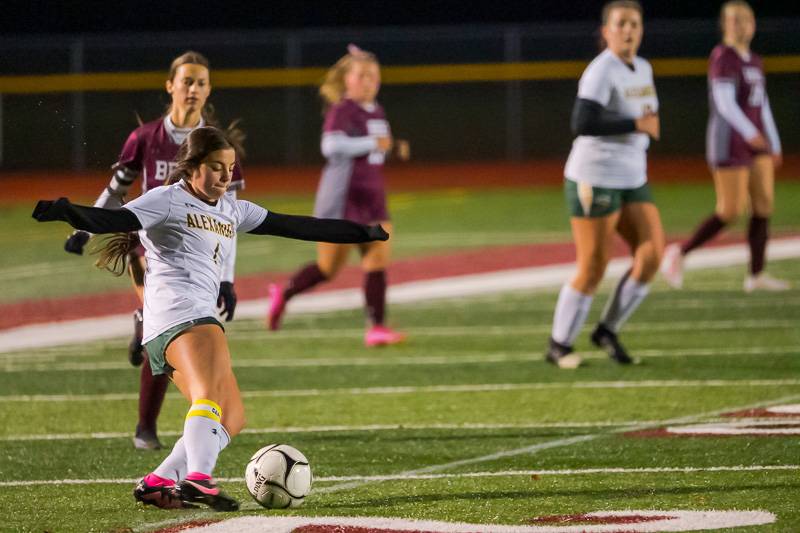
(319, 229)
(91, 219)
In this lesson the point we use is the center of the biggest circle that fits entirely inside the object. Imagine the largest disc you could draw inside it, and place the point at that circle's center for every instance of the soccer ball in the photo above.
(278, 476)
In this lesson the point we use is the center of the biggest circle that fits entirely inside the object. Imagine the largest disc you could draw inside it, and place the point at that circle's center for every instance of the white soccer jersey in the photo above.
(614, 161)
(186, 242)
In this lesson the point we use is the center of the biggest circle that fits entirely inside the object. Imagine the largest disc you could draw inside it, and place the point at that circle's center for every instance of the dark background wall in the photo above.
(445, 122)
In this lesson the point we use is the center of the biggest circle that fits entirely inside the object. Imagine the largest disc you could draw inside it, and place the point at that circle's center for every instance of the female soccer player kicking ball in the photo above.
(606, 187)
(355, 140)
(188, 230)
(150, 152)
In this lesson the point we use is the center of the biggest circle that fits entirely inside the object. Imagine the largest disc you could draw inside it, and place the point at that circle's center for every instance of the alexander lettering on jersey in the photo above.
(209, 223)
(640, 92)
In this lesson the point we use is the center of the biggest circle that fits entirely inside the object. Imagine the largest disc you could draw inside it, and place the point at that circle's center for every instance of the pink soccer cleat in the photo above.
(382, 336)
(277, 305)
(672, 266)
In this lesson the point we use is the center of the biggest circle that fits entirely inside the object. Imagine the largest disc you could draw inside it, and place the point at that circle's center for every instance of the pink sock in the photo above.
(198, 476)
(153, 480)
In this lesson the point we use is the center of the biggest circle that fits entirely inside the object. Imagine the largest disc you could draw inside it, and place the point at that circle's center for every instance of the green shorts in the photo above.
(585, 200)
(157, 347)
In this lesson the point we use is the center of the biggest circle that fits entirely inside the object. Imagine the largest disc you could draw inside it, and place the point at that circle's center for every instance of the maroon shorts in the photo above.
(137, 250)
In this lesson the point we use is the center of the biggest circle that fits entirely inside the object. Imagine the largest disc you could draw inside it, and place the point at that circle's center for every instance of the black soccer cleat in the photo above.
(561, 355)
(604, 338)
(135, 348)
(206, 492)
(163, 497)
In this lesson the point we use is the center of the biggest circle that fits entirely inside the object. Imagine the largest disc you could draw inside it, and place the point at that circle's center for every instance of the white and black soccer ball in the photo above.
(278, 476)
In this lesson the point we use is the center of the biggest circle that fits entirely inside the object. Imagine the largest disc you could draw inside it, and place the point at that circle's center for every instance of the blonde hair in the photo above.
(332, 89)
(113, 252)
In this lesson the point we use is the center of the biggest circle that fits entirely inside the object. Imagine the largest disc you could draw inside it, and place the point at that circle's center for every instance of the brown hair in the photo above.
(235, 135)
(114, 250)
(332, 88)
(606, 13)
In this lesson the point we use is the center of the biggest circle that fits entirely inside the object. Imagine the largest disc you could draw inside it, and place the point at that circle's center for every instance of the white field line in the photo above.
(430, 389)
(50, 365)
(513, 280)
(341, 429)
(414, 477)
(562, 442)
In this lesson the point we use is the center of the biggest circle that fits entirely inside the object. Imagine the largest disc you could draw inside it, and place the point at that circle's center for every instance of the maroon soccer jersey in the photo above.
(151, 149)
(353, 187)
(725, 146)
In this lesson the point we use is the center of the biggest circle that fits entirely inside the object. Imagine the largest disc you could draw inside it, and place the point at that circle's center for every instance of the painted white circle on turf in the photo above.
(631, 521)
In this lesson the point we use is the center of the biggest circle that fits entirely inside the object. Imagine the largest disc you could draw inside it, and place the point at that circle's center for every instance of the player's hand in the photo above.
(777, 160)
(226, 301)
(77, 241)
(650, 124)
(402, 149)
(48, 210)
(377, 233)
(385, 143)
(758, 143)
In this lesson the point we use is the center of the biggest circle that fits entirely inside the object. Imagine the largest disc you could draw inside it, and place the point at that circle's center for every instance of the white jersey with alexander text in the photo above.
(186, 242)
(614, 161)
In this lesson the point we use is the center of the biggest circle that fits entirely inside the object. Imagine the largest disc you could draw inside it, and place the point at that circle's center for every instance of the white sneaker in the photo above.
(765, 282)
(672, 266)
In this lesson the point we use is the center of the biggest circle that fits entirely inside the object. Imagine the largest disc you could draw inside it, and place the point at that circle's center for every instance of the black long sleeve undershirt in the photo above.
(591, 118)
(99, 220)
(318, 229)
(91, 219)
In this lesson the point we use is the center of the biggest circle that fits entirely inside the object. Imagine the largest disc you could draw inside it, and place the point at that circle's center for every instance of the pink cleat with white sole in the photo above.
(277, 304)
(382, 336)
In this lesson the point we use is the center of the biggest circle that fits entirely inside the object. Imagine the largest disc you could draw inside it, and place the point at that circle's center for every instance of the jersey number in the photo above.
(216, 254)
(756, 98)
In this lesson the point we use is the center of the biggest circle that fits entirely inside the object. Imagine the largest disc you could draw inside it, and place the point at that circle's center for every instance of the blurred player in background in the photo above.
(356, 140)
(150, 151)
(742, 148)
(183, 337)
(614, 117)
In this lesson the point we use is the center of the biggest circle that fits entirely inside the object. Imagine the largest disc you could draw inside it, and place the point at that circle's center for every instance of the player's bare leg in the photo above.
(374, 261)
(761, 188)
(730, 184)
(640, 226)
(593, 238)
(330, 260)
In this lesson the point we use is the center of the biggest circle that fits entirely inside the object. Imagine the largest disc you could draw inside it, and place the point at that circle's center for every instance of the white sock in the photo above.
(571, 311)
(174, 466)
(201, 436)
(627, 296)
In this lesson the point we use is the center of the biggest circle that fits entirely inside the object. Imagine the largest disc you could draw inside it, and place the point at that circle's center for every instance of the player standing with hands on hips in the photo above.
(614, 117)
(742, 149)
(356, 140)
(150, 152)
(188, 230)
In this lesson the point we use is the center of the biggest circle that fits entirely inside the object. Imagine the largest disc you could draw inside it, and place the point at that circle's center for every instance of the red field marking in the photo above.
(261, 180)
(188, 525)
(254, 286)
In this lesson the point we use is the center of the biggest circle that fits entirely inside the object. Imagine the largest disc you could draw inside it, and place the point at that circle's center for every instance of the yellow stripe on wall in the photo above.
(405, 75)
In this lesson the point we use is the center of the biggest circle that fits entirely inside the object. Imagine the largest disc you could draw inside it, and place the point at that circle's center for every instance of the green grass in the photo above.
(707, 349)
(426, 223)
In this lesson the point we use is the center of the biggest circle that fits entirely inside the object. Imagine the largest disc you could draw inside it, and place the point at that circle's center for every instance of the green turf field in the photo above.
(426, 223)
(468, 401)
